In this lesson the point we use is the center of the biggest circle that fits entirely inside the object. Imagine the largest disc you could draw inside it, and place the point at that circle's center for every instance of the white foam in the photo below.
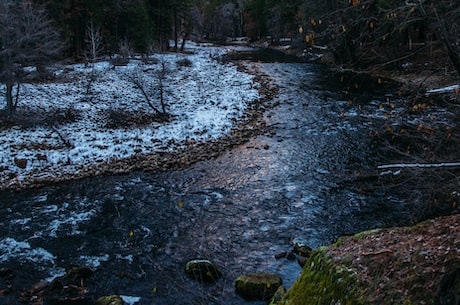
(10, 248)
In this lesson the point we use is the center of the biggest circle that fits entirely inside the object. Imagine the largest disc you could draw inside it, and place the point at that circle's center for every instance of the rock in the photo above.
(203, 270)
(21, 163)
(280, 255)
(290, 256)
(280, 292)
(110, 300)
(302, 249)
(342, 274)
(257, 286)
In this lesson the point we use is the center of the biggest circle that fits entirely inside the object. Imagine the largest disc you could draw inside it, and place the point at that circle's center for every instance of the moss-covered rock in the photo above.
(110, 300)
(203, 270)
(408, 265)
(257, 286)
(323, 282)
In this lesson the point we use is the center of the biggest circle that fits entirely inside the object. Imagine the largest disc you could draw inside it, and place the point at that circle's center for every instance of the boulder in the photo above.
(257, 286)
(302, 249)
(423, 266)
(110, 300)
(203, 270)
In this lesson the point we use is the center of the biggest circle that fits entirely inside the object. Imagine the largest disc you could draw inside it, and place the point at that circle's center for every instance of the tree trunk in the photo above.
(9, 99)
(176, 30)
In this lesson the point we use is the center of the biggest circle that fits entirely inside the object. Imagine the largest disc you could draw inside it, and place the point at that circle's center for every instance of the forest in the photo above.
(360, 33)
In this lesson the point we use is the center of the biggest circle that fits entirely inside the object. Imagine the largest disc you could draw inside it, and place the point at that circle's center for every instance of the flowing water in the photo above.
(137, 231)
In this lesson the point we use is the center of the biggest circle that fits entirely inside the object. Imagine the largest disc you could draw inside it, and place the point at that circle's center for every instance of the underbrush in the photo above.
(118, 118)
(28, 118)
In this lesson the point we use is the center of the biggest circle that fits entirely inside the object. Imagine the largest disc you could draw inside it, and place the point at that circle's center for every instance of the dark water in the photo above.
(239, 210)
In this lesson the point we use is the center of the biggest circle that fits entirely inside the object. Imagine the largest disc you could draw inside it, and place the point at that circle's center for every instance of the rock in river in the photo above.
(257, 286)
(110, 300)
(203, 270)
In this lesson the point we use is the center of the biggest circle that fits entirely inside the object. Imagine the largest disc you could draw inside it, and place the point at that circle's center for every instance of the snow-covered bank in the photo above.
(204, 100)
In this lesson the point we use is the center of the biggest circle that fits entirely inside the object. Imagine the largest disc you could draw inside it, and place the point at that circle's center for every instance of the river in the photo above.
(137, 231)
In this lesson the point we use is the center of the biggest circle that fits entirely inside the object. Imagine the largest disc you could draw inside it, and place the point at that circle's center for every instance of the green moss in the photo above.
(323, 282)
(257, 286)
(357, 236)
(110, 300)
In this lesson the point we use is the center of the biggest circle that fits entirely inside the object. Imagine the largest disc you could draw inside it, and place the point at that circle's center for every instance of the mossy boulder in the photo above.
(321, 282)
(203, 270)
(110, 300)
(407, 265)
(257, 286)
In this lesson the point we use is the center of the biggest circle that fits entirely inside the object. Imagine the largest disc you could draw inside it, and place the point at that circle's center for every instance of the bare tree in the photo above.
(27, 38)
(147, 89)
(93, 41)
(93, 49)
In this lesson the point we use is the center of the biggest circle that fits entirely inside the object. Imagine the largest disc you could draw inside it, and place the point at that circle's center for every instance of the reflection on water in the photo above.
(239, 210)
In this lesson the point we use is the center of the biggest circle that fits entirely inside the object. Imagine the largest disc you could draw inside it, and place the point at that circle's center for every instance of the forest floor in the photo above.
(416, 265)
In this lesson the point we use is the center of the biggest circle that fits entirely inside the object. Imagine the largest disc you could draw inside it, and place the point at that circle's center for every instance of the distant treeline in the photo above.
(359, 32)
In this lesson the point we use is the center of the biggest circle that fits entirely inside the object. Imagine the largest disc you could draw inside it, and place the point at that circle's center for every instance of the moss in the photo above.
(110, 300)
(323, 282)
(257, 286)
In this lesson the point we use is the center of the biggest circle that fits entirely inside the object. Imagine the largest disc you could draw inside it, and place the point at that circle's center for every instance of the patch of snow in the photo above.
(22, 251)
(129, 300)
(93, 261)
(55, 273)
(129, 258)
(204, 99)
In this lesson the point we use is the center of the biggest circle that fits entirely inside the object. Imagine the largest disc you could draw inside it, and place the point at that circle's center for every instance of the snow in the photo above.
(94, 261)
(204, 99)
(130, 300)
(22, 251)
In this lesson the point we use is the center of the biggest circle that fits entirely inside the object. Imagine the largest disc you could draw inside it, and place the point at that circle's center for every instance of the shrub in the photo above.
(184, 62)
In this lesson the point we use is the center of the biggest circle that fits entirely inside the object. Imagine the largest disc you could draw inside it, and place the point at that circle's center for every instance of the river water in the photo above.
(137, 231)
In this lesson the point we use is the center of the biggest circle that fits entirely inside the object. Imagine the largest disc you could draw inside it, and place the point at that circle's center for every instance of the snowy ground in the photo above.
(204, 99)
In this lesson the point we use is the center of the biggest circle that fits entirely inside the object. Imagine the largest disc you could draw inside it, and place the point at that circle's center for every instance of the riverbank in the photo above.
(407, 265)
(89, 134)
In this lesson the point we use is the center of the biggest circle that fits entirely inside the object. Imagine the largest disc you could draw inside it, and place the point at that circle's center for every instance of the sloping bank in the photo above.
(407, 265)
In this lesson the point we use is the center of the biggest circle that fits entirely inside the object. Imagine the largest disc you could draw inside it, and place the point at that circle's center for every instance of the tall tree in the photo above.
(137, 24)
(27, 38)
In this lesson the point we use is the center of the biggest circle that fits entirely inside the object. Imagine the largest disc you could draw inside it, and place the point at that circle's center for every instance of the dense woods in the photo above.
(360, 33)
